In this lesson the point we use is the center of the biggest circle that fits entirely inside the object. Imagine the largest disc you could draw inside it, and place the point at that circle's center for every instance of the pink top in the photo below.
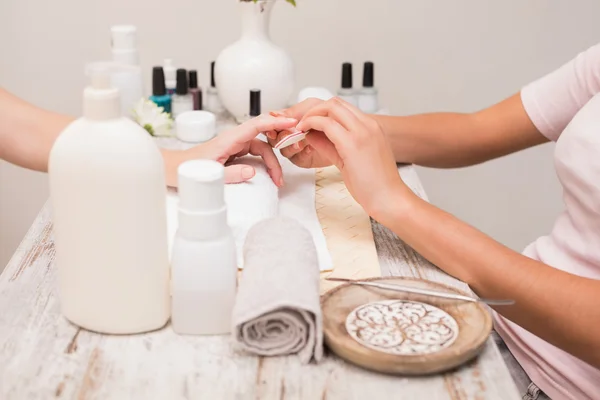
(565, 107)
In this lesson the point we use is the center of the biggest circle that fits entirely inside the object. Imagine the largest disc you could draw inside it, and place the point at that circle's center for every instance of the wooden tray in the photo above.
(473, 323)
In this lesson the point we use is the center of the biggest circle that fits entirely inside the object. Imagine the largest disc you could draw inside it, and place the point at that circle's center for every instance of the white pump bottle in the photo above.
(107, 188)
(204, 268)
(129, 81)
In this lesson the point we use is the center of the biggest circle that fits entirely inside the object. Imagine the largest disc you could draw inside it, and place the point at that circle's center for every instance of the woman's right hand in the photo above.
(300, 153)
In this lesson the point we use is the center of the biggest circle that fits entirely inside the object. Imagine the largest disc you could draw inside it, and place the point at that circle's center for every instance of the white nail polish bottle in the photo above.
(368, 101)
(346, 92)
(203, 263)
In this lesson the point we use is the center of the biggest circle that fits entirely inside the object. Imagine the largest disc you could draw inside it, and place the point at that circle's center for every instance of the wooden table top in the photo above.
(42, 356)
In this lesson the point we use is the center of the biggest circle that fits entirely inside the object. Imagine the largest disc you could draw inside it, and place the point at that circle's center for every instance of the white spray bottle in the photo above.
(107, 188)
(203, 263)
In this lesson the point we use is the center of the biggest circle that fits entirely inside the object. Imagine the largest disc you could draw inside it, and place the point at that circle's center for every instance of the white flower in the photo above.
(153, 118)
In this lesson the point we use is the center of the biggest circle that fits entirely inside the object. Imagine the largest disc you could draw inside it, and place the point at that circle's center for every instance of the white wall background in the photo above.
(430, 55)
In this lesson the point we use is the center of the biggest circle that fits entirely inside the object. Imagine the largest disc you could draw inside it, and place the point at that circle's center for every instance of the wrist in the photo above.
(398, 204)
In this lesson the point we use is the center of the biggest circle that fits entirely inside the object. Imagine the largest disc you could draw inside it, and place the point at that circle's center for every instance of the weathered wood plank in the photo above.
(42, 356)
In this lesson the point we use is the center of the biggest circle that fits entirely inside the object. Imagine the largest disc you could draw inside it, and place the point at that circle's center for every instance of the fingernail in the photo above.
(247, 172)
(280, 181)
(271, 135)
(275, 114)
(297, 145)
(308, 150)
(292, 120)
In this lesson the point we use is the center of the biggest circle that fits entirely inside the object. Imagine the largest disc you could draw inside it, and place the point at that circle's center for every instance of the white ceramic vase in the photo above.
(254, 62)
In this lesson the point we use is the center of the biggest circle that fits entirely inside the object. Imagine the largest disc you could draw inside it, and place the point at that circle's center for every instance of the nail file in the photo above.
(290, 139)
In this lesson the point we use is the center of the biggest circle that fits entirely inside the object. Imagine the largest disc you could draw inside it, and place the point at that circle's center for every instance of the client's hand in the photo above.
(344, 136)
(234, 143)
(301, 153)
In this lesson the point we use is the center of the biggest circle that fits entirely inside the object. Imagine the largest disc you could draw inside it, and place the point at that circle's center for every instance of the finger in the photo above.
(319, 142)
(329, 126)
(291, 151)
(298, 110)
(264, 123)
(335, 109)
(364, 118)
(279, 136)
(271, 135)
(262, 149)
(238, 173)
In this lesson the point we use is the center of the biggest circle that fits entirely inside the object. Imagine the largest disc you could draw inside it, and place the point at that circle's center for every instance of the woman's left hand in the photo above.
(355, 143)
(234, 143)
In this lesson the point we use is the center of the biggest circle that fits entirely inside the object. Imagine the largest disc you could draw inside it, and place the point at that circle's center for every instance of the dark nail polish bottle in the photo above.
(254, 103)
(195, 91)
(159, 90)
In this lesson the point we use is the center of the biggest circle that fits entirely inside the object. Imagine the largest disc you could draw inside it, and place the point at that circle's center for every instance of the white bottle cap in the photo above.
(124, 44)
(195, 126)
(100, 100)
(170, 73)
(201, 186)
(317, 92)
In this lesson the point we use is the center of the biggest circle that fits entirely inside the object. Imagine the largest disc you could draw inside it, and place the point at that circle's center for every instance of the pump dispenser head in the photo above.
(201, 186)
(124, 44)
(100, 100)
(202, 210)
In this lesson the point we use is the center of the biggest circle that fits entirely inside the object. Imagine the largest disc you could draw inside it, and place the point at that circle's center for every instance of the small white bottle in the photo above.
(129, 82)
(346, 92)
(203, 263)
(213, 102)
(170, 76)
(108, 193)
(182, 101)
(368, 101)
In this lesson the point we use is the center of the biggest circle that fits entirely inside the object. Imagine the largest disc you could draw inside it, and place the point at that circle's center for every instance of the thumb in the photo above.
(322, 145)
(238, 173)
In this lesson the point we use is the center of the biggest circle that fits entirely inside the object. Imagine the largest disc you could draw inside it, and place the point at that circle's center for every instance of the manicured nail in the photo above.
(275, 114)
(247, 172)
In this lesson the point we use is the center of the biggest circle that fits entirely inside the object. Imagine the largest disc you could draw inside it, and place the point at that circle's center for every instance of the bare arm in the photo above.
(450, 140)
(27, 133)
(559, 307)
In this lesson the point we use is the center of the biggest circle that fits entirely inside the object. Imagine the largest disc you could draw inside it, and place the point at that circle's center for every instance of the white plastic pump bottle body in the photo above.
(108, 193)
(204, 283)
(130, 85)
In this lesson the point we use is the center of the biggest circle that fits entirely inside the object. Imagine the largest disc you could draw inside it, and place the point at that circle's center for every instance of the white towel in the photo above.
(277, 309)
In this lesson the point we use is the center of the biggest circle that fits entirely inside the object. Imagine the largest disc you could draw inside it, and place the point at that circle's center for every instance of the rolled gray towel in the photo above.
(277, 309)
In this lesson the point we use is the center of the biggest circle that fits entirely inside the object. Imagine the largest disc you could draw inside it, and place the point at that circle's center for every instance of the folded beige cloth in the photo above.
(277, 309)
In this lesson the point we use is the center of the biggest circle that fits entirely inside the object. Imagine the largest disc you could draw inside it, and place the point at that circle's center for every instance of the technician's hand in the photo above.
(237, 142)
(301, 154)
(354, 142)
